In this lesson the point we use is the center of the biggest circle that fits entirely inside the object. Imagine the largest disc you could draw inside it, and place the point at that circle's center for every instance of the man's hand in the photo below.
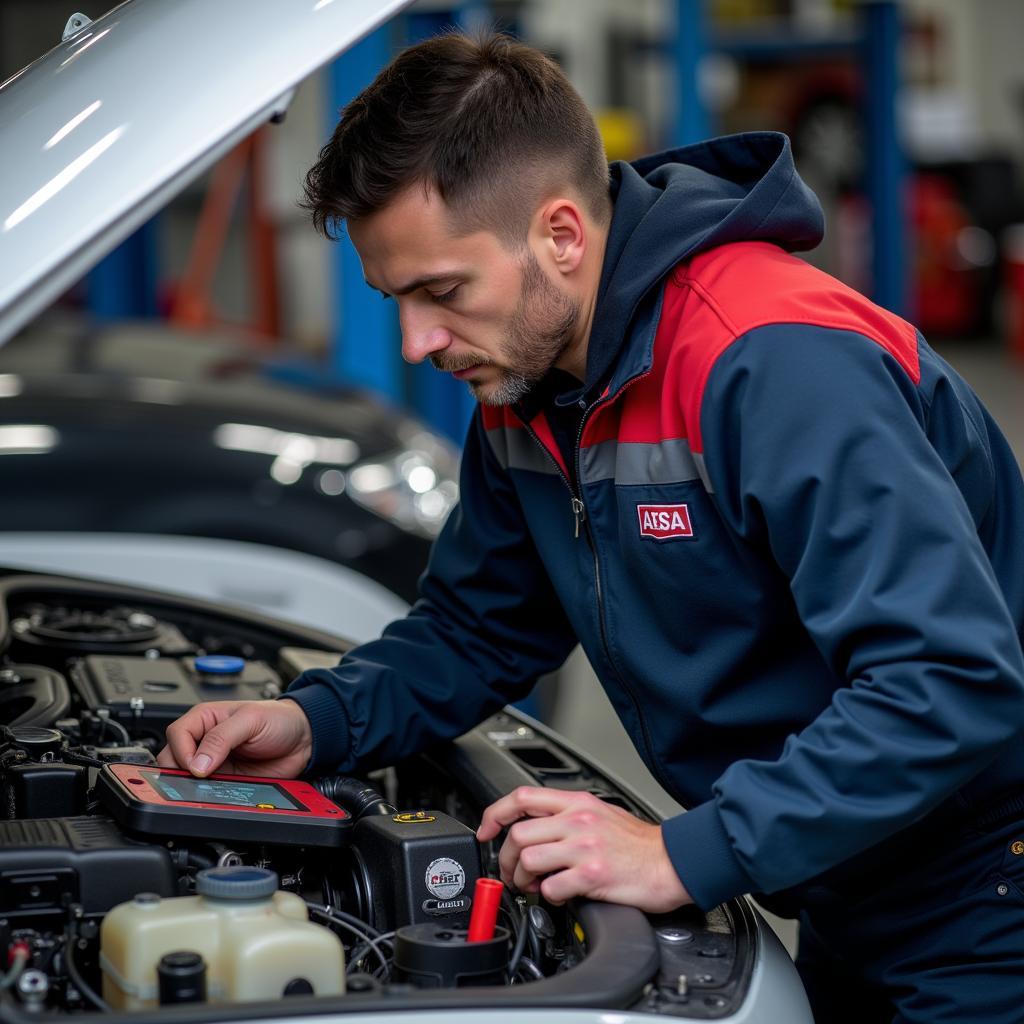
(573, 844)
(241, 737)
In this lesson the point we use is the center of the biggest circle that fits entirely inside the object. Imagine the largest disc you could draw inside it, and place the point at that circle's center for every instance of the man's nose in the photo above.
(421, 337)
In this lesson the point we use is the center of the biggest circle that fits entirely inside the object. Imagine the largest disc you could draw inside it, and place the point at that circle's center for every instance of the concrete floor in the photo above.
(582, 711)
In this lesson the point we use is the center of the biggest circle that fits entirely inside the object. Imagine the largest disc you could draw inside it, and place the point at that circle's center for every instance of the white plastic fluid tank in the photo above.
(256, 941)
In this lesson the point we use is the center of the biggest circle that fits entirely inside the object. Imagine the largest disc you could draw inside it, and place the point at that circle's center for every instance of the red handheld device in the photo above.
(173, 802)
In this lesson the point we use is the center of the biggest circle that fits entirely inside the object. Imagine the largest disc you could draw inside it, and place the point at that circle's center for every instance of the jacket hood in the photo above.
(672, 205)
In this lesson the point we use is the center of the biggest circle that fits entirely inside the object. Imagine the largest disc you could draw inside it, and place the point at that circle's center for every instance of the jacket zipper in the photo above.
(579, 513)
(580, 516)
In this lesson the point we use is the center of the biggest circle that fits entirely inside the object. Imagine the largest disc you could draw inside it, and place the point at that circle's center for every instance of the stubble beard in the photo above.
(538, 333)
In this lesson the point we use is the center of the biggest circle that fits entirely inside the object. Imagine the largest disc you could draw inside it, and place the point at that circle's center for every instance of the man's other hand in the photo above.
(240, 737)
(573, 844)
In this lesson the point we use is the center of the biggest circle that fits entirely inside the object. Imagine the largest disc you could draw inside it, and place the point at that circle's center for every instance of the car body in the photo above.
(108, 126)
(135, 428)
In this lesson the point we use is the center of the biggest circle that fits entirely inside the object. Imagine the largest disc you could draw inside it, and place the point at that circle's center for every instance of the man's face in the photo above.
(488, 316)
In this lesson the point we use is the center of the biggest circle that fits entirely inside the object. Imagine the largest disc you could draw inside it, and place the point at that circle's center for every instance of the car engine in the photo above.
(105, 907)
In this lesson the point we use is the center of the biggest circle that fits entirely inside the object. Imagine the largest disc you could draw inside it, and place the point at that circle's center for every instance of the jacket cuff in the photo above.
(328, 723)
(702, 854)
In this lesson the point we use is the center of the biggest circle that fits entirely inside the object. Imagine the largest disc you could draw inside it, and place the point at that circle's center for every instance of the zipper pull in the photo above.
(579, 513)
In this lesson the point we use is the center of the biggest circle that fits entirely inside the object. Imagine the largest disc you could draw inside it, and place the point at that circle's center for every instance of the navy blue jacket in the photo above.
(788, 537)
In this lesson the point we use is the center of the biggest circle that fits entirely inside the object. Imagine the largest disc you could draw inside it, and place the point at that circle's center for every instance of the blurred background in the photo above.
(214, 358)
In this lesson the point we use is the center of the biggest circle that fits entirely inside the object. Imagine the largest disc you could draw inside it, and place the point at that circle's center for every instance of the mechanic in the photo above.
(786, 533)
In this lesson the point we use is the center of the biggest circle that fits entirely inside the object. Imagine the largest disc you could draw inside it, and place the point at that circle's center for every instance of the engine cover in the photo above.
(153, 692)
(47, 863)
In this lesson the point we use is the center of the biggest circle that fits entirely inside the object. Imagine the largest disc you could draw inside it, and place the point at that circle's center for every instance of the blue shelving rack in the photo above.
(875, 44)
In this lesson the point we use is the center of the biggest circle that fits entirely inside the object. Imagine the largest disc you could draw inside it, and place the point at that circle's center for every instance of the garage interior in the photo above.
(907, 119)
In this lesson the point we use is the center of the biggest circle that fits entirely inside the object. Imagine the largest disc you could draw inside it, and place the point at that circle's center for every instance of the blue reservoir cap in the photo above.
(220, 665)
(236, 883)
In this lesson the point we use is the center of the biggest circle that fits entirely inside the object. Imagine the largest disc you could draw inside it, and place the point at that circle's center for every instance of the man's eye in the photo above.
(447, 296)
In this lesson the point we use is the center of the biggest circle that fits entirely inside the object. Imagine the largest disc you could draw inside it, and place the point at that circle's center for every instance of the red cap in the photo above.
(16, 947)
(486, 899)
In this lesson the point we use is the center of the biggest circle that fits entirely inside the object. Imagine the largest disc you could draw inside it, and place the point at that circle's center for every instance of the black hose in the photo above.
(87, 991)
(534, 941)
(358, 798)
(527, 965)
(106, 720)
(517, 952)
(73, 757)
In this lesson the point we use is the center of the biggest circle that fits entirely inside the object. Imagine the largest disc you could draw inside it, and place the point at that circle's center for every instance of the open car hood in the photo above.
(99, 133)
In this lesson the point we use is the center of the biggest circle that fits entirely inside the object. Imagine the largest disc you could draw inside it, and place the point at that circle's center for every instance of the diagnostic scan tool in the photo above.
(173, 802)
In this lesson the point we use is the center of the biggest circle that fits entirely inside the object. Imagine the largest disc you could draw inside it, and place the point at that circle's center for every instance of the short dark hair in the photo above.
(487, 121)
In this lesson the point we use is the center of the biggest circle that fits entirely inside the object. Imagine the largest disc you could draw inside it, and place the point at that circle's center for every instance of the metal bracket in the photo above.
(281, 106)
(76, 23)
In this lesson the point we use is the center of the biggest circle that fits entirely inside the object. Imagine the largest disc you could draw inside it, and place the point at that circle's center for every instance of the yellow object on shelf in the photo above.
(622, 133)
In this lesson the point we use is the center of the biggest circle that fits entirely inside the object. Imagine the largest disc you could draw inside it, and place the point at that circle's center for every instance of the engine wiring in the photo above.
(359, 953)
(369, 936)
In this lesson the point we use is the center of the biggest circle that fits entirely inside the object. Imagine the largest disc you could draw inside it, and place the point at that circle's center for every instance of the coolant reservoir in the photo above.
(258, 942)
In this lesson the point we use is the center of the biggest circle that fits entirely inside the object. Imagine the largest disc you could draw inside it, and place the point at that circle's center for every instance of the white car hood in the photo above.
(103, 130)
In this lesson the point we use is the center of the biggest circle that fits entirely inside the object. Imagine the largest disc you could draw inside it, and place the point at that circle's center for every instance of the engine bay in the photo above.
(226, 893)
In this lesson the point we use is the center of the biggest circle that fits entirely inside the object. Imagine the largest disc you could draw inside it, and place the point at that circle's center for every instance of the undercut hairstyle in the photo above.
(490, 123)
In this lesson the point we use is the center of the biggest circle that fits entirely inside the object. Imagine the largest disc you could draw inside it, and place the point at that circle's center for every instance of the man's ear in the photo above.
(561, 234)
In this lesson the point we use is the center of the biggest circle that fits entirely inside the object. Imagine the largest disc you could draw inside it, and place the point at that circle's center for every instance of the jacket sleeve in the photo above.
(817, 448)
(486, 626)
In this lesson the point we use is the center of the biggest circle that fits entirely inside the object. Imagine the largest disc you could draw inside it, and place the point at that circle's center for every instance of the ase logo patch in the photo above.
(664, 522)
